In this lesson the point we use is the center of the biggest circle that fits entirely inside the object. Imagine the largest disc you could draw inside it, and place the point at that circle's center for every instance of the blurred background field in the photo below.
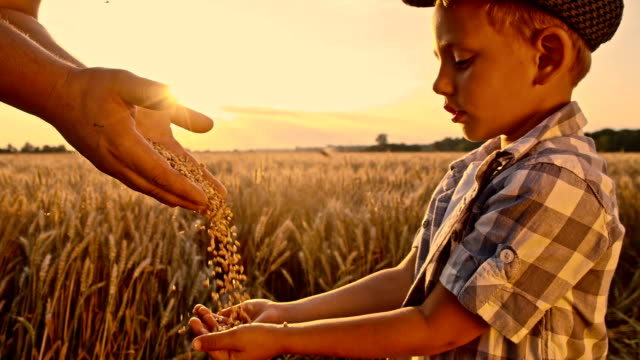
(92, 270)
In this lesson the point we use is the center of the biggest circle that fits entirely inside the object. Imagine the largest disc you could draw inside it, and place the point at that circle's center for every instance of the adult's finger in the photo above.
(153, 95)
(222, 190)
(190, 119)
(155, 177)
(173, 146)
(140, 91)
(136, 182)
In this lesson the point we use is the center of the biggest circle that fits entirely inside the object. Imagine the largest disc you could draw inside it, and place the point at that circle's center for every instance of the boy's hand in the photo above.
(251, 341)
(205, 321)
(258, 310)
(245, 342)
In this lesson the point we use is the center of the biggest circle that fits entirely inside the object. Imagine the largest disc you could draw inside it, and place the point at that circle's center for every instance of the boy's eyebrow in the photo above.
(444, 45)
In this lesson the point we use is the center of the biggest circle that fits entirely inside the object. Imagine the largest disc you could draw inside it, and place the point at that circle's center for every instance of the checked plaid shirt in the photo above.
(527, 237)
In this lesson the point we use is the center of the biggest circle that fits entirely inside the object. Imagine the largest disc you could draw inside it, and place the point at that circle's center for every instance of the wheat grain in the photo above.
(227, 271)
(87, 272)
(44, 268)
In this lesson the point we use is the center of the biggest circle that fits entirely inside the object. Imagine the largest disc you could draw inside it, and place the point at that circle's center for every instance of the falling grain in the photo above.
(228, 274)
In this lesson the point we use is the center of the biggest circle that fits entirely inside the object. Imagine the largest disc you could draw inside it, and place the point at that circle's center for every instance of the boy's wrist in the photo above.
(288, 312)
(283, 338)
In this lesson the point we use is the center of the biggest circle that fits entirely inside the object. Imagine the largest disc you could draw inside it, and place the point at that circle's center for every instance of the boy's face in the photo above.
(486, 77)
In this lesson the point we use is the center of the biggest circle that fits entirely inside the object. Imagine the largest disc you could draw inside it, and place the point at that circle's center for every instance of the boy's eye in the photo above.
(463, 64)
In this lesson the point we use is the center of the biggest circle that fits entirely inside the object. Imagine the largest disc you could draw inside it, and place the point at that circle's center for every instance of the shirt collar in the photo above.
(569, 120)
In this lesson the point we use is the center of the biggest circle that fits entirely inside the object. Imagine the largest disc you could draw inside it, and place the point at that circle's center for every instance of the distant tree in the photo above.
(9, 149)
(53, 149)
(612, 140)
(453, 144)
(28, 148)
(382, 140)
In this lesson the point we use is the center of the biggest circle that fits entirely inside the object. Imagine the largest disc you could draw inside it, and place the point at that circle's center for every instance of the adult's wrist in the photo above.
(62, 97)
(30, 73)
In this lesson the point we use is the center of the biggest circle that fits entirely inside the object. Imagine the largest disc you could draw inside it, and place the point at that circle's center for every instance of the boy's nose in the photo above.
(443, 84)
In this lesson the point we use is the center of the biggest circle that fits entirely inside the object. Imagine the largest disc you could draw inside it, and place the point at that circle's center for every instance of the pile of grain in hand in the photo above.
(228, 274)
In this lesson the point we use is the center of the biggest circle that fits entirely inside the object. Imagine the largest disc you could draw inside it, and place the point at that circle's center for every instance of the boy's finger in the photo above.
(219, 355)
(196, 327)
(202, 311)
(210, 322)
(211, 342)
(196, 308)
(245, 318)
(226, 312)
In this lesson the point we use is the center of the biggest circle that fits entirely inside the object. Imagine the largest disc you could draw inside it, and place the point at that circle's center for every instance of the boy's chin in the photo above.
(474, 137)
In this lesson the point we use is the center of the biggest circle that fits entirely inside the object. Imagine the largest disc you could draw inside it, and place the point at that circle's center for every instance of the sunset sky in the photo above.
(286, 73)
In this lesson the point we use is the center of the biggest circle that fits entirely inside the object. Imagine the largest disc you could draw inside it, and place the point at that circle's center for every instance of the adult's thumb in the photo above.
(143, 92)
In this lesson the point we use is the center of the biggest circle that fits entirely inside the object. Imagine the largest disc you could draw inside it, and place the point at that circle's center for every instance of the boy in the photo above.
(521, 238)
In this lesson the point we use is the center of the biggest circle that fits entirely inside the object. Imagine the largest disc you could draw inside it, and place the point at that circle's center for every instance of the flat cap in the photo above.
(595, 21)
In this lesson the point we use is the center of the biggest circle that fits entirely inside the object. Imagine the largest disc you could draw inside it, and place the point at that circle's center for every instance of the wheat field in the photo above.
(92, 270)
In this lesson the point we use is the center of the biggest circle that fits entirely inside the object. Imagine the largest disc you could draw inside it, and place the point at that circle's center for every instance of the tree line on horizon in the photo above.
(607, 140)
(28, 148)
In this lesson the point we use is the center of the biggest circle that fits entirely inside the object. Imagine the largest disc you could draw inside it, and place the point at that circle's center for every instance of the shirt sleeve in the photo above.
(536, 238)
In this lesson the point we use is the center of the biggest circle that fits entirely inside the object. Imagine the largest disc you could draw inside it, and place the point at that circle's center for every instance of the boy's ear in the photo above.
(553, 47)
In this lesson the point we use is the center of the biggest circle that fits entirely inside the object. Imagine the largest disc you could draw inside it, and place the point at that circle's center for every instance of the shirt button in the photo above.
(507, 255)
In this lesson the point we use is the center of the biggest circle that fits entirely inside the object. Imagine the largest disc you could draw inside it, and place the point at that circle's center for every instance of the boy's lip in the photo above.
(457, 114)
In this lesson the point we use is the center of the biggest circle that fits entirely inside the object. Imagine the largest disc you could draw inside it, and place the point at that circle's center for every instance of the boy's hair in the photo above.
(527, 19)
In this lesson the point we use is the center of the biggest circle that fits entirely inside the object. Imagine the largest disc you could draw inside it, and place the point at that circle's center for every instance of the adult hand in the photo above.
(156, 126)
(95, 110)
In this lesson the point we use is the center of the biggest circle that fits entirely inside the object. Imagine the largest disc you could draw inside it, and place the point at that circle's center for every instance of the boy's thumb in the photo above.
(210, 342)
(146, 93)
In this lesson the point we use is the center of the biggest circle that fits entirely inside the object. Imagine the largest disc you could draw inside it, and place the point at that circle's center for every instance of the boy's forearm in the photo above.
(401, 332)
(441, 323)
(382, 291)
